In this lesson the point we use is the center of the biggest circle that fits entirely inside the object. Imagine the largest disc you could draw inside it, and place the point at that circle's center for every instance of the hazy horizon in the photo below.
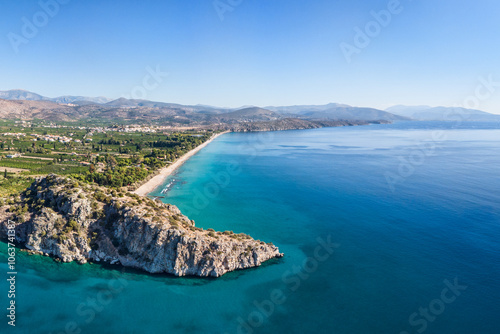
(250, 106)
(375, 54)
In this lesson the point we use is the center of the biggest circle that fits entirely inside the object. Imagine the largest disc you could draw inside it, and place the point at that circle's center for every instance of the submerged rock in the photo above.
(72, 221)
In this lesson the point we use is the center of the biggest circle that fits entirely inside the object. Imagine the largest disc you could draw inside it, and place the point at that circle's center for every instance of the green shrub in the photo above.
(100, 196)
(59, 224)
(73, 225)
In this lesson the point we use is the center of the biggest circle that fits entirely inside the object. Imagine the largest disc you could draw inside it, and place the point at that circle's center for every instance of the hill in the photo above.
(71, 221)
(20, 94)
(426, 113)
(30, 106)
(334, 111)
(29, 109)
(300, 108)
(250, 114)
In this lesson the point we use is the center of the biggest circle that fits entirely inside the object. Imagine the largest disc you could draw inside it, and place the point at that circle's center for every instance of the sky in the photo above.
(233, 53)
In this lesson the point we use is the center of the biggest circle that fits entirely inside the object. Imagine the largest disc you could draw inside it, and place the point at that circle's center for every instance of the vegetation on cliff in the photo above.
(74, 221)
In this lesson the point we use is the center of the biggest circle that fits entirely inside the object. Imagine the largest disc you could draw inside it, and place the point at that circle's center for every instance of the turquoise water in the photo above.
(375, 223)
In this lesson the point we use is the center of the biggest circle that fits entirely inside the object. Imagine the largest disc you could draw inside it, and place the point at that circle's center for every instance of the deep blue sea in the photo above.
(385, 229)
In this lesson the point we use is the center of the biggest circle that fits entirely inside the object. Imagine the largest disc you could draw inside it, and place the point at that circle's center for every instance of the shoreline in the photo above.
(165, 172)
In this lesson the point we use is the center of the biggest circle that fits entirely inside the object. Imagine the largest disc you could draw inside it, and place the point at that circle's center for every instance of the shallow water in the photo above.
(402, 208)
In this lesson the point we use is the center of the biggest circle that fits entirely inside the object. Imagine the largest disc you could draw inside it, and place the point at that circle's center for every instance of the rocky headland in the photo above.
(289, 124)
(73, 221)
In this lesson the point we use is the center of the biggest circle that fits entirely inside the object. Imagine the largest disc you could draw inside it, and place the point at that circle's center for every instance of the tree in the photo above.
(5, 174)
(111, 161)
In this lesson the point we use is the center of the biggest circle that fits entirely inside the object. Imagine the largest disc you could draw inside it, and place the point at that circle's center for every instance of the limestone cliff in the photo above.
(73, 221)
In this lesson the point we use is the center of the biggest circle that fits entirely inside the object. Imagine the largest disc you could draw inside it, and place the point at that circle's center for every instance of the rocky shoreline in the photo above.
(73, 221)
(290, 124)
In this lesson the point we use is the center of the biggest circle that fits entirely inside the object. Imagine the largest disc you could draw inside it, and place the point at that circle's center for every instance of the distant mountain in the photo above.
(300, 108)
(251, 114)
(80, 99)
(130, 110)
(20, 94)
(426, 113)
(131, 103)
(27, 110)
(352, 113)
(406, 111)
(334, 111)
(287, 124)
(246, 119)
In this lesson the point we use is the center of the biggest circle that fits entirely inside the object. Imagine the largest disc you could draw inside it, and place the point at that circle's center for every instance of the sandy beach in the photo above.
(157, 180)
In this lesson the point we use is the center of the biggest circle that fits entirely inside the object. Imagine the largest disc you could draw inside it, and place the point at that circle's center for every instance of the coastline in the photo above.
(165, 172)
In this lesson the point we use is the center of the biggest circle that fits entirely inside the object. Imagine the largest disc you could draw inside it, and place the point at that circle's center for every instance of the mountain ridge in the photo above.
(427, 113)
(21, 94)
(25, 105)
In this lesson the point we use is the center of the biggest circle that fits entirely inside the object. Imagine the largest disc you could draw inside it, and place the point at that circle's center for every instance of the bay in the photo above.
(375, 223)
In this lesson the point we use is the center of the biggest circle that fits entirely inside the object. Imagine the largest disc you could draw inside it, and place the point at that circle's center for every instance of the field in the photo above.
(113, 155)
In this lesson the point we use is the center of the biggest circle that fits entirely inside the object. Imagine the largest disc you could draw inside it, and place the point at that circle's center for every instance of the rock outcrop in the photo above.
(288, 124)
(72, 221)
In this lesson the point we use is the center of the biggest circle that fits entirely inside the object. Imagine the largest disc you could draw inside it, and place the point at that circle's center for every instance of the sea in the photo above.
(390, 228)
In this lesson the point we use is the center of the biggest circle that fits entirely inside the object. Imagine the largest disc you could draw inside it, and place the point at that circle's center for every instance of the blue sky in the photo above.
(263, 52)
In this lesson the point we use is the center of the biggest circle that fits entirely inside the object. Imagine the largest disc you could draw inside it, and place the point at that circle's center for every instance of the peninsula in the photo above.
(76, 175)
(72, 221)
